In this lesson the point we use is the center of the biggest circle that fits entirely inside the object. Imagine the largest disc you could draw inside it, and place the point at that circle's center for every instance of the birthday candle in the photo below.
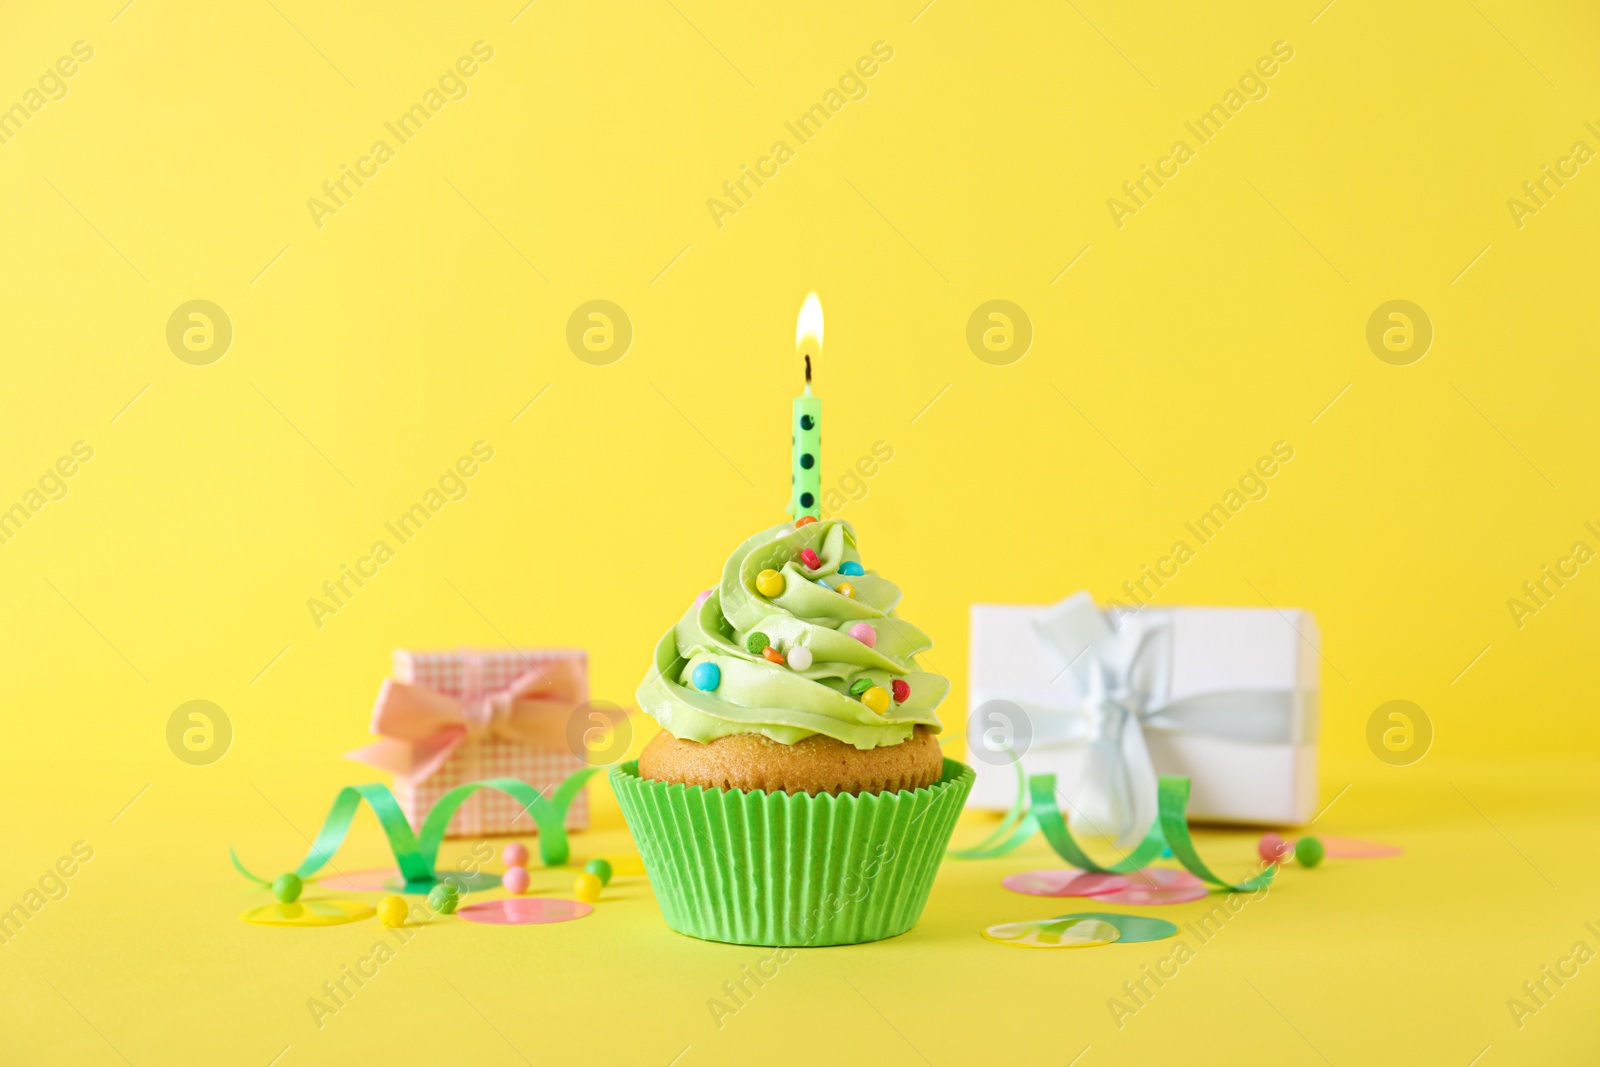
(805, 492)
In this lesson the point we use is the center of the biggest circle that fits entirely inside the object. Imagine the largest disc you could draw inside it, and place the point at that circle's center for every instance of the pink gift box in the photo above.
(480, 683)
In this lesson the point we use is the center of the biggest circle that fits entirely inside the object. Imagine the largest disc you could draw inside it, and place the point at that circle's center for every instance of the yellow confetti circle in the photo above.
(1054, 933)
(309, 913)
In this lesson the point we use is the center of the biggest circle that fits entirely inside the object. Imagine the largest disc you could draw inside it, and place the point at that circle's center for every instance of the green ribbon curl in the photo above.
(416, 854)
(1170, 830)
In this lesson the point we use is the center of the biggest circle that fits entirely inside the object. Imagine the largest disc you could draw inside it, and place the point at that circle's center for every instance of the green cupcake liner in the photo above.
(790, 869)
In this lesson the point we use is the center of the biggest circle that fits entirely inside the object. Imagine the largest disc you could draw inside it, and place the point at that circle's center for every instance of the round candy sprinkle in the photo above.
(800, 658)
(902, 690)
(773, 654)
(515, 880)
(756, 642)
(443, 898)
(876, 698)
(286, 887)
(587, 887)
(804, 520)
(769, 583)
(515, 854)
(1273, 848)
(846, 589)
(701, 599)
(864, 633)
(859, 686)
(851, 569)
(392, 911)
(1308, 851)
(810, 559)
(706, 677)
(600, 869)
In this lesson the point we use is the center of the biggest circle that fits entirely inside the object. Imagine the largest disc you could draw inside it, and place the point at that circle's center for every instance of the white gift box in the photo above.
(1227, 697)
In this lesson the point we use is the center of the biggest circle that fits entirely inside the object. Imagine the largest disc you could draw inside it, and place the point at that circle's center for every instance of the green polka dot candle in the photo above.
(805, 476)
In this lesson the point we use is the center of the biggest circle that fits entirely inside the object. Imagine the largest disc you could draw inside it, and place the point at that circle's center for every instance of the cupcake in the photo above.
(797, 794)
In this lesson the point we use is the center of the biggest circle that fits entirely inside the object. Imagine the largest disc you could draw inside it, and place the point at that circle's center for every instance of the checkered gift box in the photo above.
(450, 718)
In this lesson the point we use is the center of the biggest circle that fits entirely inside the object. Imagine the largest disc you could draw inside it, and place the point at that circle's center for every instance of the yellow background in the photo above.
(369, 353)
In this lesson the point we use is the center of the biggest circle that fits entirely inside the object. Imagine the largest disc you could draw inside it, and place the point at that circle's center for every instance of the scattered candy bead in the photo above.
(587, 887)
(1273, 848)
(706, 677)
(846, 589)
(286, 887)
(756, 642)
(810, 559)
(851, 569)
(1308, 851)
(515, 854)
(824, 583)
(800, 658)
(864, 633)
(443, 898)
(392, 911)
(859, 686)
(902, 690)
(876, 698)
(773, 654)
(701, 599)
(804, 520)
(600, 869)
(769, 583)
(515, 880)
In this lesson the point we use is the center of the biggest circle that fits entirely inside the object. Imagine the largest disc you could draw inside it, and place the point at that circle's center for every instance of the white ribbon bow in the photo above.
(1122, 675)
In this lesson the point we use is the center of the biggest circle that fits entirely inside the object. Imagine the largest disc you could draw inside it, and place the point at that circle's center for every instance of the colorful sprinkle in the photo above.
(877, 699)
(706, 677)
(769, 583)
(587, 887)
(1308, 851)
(864, 633)
(756, 642)
(286, 887)
(773, 654)
(705, 594)
(800, 658)
(810, 559)
(851, 569)
(600, 868)
(859, 686)
(846, 589)
(515, 854)
(804, 520)
(392, 910)
(823, 583)
(902, 690)
(516, 880)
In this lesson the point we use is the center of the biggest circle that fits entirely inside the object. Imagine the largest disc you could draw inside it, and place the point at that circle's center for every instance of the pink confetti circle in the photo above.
(1067, 882)
(524, 911)
(1157, 885)
(1348, 848)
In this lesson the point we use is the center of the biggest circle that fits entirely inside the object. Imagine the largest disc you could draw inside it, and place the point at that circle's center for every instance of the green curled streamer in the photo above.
(1169, 830)
(1015, 829)
(1044, 810)
(1172, 797)
(416, 856)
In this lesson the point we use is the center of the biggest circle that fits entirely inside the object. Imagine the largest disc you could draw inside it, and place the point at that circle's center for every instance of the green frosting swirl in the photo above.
(757, 696)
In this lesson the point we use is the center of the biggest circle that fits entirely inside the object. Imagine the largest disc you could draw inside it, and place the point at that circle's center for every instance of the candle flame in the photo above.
(809, 325)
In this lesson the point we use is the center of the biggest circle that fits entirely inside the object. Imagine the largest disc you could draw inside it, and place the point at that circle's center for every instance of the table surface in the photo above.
(1412, 960)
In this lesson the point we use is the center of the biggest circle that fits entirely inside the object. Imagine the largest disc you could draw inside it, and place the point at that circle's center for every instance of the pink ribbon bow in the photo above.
(420, 728)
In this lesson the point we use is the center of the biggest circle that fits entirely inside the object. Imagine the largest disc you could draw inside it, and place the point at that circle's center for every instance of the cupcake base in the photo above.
(817, 764)
(791, 869)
